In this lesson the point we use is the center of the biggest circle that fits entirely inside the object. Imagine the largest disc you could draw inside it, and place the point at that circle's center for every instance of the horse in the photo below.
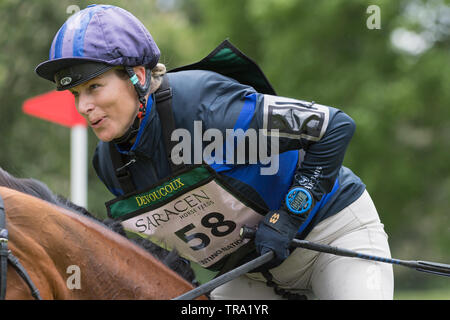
(55, 243)
(41, 190)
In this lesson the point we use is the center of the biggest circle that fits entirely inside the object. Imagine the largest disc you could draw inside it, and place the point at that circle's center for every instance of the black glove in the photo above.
(278, 228)
(275, 232)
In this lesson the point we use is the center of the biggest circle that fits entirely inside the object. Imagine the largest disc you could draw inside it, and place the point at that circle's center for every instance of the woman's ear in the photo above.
(140, 72)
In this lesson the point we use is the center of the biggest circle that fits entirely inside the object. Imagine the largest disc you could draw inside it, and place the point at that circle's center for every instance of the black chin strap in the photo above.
(130, 133)
(142, 91)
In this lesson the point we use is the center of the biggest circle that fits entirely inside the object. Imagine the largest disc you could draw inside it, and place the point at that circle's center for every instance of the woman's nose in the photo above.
(84, 104)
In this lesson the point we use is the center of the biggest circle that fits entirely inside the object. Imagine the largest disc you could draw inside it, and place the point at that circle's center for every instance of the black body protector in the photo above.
(229, 61)
(226, 60)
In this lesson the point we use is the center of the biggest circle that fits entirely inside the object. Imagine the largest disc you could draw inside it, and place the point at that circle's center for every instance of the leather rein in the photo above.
(6, 256)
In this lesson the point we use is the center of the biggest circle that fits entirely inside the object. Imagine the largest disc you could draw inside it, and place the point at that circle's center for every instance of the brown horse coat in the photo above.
(48, 240)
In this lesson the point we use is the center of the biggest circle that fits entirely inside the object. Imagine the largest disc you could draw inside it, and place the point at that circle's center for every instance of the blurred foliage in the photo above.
(394, 82)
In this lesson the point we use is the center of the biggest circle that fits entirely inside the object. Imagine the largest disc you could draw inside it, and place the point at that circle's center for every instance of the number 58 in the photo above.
(207, 223)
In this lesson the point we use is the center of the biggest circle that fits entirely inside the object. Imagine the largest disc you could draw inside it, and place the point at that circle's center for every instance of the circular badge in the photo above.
(65, 81)
(298, 200)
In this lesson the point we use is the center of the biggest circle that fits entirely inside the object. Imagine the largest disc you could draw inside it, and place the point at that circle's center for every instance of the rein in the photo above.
(6, 256)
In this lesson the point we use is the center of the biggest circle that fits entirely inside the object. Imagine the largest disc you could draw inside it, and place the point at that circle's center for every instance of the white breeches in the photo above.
(325, 276)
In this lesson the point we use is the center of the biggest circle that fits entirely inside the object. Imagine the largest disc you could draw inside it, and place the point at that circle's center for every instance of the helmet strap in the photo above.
(141, 90)
(130, 133)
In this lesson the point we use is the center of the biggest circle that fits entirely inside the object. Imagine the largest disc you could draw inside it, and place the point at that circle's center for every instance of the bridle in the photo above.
(6, 256)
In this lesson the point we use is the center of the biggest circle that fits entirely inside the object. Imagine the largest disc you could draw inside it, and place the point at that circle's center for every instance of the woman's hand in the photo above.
(275, 232)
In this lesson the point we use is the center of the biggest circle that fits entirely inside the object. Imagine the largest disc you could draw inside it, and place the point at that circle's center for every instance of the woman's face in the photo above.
(108, 103)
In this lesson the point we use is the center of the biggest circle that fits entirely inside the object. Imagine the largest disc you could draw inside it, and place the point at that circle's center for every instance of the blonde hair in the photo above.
(157, 73)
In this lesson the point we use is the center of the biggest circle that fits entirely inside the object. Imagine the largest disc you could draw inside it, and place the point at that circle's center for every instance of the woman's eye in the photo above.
(94, 86)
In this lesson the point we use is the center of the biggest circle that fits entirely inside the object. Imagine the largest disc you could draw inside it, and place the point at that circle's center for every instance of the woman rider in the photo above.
(109, 61)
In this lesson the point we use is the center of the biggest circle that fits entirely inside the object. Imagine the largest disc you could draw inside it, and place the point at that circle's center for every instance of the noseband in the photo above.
(6, 256)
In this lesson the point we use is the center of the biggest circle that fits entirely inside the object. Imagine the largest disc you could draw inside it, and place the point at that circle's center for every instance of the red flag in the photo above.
(55, 106)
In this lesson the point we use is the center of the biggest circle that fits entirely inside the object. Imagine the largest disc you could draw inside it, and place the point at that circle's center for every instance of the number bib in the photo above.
(194, 212)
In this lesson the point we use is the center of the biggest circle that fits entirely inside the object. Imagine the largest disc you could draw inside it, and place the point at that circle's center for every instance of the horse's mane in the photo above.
(40, 190)
(30, 186)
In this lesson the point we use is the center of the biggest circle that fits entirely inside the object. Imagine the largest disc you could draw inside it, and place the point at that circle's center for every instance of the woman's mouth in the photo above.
(96, 122)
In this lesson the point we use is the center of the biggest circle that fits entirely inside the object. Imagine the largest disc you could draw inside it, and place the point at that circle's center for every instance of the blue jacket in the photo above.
(312, 138)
